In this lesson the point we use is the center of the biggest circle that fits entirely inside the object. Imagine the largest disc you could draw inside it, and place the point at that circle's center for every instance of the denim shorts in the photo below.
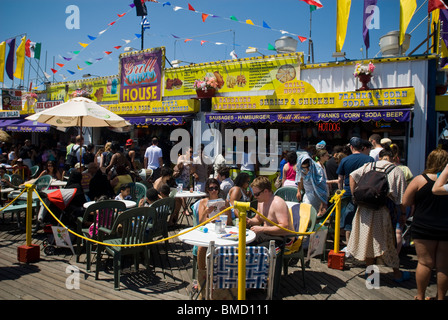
(347, 215)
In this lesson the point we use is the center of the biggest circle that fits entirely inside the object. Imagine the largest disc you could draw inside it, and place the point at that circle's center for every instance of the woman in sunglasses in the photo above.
(205, 212)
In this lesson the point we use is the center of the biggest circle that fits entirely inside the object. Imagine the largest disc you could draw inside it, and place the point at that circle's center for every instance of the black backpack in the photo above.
(373, 188)
(72, 159)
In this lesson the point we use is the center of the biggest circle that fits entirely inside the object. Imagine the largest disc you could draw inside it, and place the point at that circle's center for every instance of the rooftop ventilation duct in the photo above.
(389, 44)
(286, 44)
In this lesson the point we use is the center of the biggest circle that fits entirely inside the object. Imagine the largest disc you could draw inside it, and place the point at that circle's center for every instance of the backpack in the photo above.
(72, 159)
(373, 188)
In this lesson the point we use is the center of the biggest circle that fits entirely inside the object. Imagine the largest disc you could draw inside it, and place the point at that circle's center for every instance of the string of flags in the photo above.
(264, 24)
(33, 49)
(84, 45)
(146, 25)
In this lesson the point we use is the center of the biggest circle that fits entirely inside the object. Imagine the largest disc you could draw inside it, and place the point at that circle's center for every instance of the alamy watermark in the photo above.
(373, 18)
(249, 147)
(72, 281)
(73, 21)
(372, 277)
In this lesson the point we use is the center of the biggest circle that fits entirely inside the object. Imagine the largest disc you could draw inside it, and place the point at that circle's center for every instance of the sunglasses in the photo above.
(256, 194)
(213, 188)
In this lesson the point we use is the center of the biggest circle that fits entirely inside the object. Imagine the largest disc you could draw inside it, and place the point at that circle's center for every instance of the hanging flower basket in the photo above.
(364, 74)
(206, 88)
(209, 93)
(365, 80)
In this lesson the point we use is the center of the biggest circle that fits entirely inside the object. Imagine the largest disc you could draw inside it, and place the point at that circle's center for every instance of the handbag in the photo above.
(278, 182)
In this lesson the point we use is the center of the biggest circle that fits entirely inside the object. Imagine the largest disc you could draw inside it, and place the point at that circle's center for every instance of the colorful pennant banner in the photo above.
(204, 16)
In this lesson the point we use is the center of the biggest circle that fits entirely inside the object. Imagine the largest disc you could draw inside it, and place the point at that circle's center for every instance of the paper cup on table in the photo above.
(223, 218)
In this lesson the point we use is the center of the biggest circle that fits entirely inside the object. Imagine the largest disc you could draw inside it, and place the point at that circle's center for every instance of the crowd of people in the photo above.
(370, 235)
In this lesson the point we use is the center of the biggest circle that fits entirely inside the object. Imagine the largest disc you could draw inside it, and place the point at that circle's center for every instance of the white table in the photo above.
(188, 194)
(202, 239)
(7, 190)
(129, 203)
(189, 197)
(58, 183)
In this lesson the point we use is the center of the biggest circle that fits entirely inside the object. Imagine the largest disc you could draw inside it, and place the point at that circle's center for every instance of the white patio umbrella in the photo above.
(79, 112)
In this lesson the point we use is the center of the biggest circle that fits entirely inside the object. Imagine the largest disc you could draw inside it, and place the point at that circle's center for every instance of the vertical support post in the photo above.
(29, 212)
(242, 208)
(337, 227)
(29, 252)
(337, 223)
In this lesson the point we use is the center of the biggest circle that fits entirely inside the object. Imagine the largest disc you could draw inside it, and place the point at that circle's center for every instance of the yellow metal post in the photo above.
(337, 228)
(29, 213)
(242, 208)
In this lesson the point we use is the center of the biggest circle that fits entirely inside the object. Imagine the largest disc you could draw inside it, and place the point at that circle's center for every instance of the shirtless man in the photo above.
(272, 207)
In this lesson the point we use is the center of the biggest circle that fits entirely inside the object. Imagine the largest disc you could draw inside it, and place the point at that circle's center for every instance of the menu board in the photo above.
(243, 75)
(102, 89)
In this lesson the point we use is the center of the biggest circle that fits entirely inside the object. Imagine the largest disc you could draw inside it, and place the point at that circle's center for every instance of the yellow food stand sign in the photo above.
(299, 94)
(235, 76)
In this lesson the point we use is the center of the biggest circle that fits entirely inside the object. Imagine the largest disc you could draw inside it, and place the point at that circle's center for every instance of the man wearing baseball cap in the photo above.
(347, 166)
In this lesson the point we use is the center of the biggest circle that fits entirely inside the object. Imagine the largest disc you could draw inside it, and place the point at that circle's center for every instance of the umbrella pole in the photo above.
(80, 150)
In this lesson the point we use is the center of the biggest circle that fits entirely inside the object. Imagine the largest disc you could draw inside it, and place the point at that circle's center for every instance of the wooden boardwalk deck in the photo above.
(169, 277)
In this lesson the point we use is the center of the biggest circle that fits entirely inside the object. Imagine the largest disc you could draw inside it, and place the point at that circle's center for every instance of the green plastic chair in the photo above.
(287, 193)
(16, 180)
(140, 192)
(43, 183)
(129, 228)
(34, 170)
(304, 219)
(103, 214)
(164, 208)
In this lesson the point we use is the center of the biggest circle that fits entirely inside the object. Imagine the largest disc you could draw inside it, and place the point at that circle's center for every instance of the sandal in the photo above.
(427, 298)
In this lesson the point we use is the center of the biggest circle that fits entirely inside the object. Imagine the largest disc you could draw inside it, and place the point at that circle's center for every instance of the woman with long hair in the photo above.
(239, 191)
(204, 211)
(52, 170)
(289, 170)
(429, 228)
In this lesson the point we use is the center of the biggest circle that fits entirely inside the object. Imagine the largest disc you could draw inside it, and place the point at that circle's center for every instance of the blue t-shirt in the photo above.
(350, 164)
(282, 164)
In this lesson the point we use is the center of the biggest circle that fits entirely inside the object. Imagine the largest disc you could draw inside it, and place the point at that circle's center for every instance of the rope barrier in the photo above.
(127, 245)
(336, 198)
(10, 203)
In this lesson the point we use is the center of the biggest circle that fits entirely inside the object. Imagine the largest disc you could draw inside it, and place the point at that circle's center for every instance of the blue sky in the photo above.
(45, 21)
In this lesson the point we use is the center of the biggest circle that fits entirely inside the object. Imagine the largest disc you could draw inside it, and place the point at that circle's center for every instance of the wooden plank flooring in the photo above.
(169, 277)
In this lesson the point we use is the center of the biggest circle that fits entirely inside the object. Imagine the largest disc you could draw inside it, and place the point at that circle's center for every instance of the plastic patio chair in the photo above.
(140, 192)
(287, 193)
(222, 268)
(16, 180)
(34, 170)
(43, 183)
(304, 219)
(97, 215)
(164, 208)
(130, 228)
